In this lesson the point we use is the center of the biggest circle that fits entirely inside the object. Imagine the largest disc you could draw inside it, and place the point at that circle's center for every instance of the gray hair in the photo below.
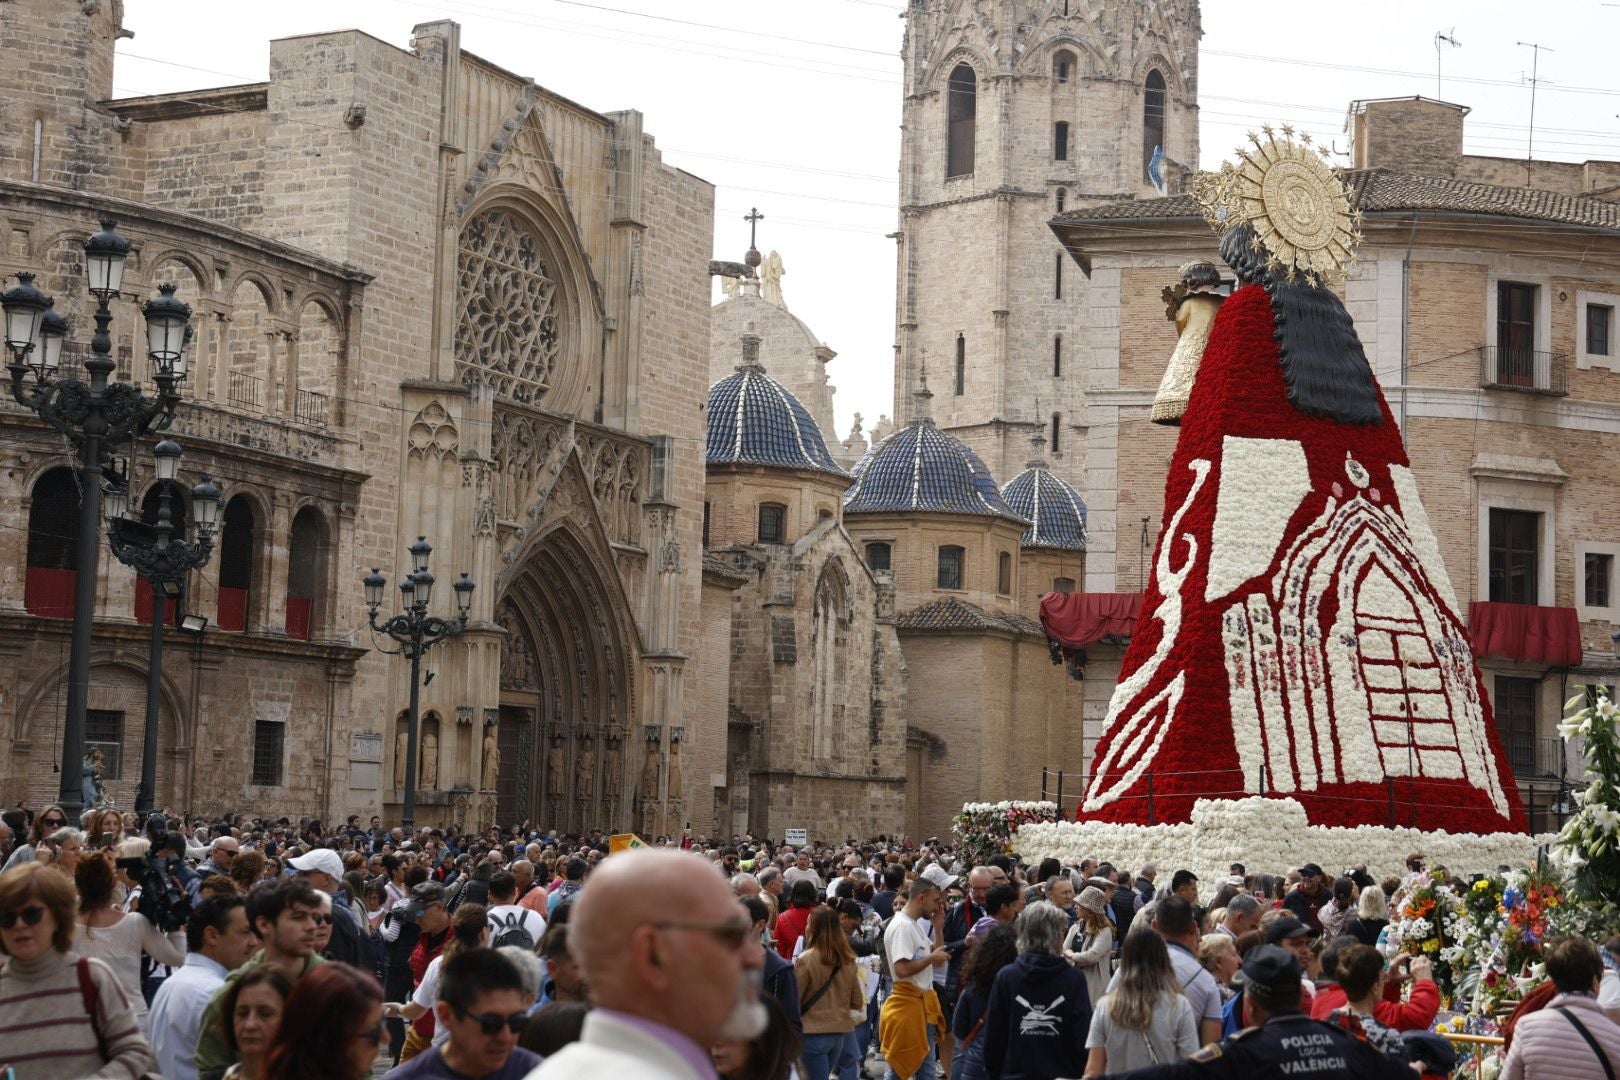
(1041, 929)
(768, 875)
(1242, 904)
(740, 882)
(1372, 905)
(528, 967)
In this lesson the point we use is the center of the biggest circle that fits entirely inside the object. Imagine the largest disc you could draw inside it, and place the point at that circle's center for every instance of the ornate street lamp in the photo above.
(416, 632)
(164, 560)
(97, 416)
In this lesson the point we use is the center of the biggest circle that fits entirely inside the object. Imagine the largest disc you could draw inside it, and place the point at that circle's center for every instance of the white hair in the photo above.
(528, 966)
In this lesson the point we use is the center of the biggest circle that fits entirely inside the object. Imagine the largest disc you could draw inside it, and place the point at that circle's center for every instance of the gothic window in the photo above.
(961, 364)
(1004, 573)
(961, 109)
(53, 531)
(831, 662)
(305, 571)
(508, 329)
(1057, 432)
(1060, 141)
(1057, 355)
(1153, 109)
(878, 555)
(772, 523)
(1062, 66)
(1057, 276)
(950, 567)
(235, 564)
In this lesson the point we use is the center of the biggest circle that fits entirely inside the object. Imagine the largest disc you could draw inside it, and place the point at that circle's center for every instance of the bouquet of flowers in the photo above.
(984, 830)
(1588, 846)
(1430, 923)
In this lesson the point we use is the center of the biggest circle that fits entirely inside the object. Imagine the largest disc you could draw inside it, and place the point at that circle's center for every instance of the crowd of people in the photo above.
(242, 948)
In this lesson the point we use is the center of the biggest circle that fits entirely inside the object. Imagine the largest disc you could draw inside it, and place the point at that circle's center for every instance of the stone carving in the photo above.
(615, 467)
(677, 777)
(507, 331)
(649, 772)
(402, 756)
(730, 287)
(492, 760)
(430, 762)
(517, 655)
(585, 769)
(433, 434)
(770, 279)
(464, 714)
(556, 769)
(612, 768)
(670, 562)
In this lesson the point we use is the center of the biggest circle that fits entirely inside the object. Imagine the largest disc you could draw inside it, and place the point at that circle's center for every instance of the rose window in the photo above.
(508, 330)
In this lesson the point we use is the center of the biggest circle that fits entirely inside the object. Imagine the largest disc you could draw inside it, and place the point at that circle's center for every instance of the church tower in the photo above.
(1016, 110)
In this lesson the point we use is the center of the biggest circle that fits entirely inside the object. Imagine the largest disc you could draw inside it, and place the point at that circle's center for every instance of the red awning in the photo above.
(1076, 620)
(1542, 635)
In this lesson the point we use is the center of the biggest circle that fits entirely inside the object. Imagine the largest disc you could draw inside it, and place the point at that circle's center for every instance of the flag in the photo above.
(625, 841)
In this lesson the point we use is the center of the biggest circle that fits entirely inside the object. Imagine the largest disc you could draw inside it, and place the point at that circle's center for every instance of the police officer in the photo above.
(1284, 1042)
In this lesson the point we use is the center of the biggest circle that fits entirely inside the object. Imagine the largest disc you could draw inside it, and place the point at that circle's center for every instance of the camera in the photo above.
(162, 901)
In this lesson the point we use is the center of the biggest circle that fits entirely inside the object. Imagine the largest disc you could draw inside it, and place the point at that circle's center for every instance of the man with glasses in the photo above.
(221, 857)
(482, 1007)
(673, 967)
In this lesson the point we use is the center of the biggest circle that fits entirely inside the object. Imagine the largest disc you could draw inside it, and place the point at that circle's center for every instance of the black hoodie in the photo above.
(1040, 1014)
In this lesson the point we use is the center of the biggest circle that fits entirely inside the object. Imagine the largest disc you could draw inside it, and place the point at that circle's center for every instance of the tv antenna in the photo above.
(1535, 58)
(1449, 39)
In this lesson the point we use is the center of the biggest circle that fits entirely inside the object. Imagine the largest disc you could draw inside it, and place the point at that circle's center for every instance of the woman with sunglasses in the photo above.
(331, 1027)
(45, 986)
(119, 937)
(47, 821)
(250, 1017)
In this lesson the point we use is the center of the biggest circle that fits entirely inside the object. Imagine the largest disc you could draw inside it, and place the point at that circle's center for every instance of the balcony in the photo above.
(310, 407)
(1524, 370)
(1526, 633)
(245, 391)
(1534, 757)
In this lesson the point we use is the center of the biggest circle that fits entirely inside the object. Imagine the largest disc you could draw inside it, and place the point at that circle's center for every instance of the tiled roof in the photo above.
(755, 420)
(954, 614)
(1377, 190)
(1055, 509)
(921, 468)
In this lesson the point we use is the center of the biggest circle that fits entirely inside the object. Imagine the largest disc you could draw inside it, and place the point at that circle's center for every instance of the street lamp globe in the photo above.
(424, 588)
(167, 320)
(114, 501)
(25, 308)
(464, 590)
(374, 584)
(104, 255)
(407, 592)
(419, 554)
(52, 334)
(205, 505)
(166, 458)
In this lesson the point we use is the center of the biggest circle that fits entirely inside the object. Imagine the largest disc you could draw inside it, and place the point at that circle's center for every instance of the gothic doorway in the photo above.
(566, 687)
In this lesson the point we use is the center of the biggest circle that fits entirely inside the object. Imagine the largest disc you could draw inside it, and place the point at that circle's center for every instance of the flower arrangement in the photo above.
(1588, 847)
(984, 830)
(1430, 924)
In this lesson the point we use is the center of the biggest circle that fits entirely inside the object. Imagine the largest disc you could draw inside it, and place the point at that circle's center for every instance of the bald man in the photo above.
(668, 955)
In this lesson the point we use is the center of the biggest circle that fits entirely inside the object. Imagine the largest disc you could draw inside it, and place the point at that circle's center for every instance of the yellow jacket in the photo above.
(903, 1026)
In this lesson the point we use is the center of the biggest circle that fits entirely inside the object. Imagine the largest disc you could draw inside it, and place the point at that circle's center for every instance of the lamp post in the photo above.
(97, 417)
(164, 560)
(416, 632)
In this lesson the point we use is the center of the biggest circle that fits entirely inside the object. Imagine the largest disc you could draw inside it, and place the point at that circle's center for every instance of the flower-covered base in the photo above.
(1267, 834)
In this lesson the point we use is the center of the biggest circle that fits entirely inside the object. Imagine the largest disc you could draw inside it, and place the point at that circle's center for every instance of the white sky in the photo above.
(795, 106)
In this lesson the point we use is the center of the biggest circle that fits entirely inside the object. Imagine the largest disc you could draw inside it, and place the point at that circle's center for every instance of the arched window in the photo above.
(177, 518)
(1063, 66)
(1057, 276)
(53, 536)
(1004, 573)
(962, 107)
(235, 564)
(950, 567)
(1062, 197)
(1057, 432)
(831, 663)
(878, 555)
(1057, 355)
(772, 523)
(249, 367)
(306, 571)
(1060, 141)
(1063, 585)
(1153, 109)
(961, 364)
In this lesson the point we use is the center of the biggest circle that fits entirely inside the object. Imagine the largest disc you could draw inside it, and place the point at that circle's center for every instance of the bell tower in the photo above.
(1016, 110)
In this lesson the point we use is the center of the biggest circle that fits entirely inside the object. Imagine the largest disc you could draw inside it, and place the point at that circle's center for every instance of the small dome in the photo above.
(1054, 508)
(920, 467)
(755, 420)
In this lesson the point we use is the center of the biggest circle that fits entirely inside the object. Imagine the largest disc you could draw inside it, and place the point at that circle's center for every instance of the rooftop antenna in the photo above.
(1535, 56)
(1450, 39)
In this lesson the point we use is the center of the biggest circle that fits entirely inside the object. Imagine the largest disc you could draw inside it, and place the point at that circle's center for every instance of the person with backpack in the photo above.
(509, 922)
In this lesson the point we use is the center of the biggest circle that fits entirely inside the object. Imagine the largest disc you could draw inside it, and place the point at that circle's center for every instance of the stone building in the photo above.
(814, 679)
(1487, 310)
(426, 295)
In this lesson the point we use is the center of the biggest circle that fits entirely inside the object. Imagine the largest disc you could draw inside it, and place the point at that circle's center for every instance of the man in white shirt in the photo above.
(915, 949)
(510, 923)
(217, 940)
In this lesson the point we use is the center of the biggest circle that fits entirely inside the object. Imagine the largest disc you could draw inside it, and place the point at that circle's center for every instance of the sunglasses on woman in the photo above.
(30, 916)
(491, 1023)
(53, 822)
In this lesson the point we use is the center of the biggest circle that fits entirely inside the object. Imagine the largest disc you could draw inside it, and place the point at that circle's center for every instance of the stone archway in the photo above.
(566, 686)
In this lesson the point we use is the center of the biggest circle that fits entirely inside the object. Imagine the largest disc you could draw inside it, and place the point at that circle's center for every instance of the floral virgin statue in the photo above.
(1299, 635)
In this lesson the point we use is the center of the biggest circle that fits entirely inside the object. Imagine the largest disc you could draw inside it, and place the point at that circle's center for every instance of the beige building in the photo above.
(423, 307)
(1485, 295)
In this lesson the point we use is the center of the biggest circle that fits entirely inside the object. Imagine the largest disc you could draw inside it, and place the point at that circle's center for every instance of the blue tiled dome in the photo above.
(1055, 510)
(920, 467)
(755, 420)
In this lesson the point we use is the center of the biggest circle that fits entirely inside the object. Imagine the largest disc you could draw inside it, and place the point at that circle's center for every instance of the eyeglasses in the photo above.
(728, 932)
(232, 852)
(491, 1023)
(320, 920)
(30, 916)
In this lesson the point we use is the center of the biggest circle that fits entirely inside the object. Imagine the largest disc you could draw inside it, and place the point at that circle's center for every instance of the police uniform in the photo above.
(1286, 1046)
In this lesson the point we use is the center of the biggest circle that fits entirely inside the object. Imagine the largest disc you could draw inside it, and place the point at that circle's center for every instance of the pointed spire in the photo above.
(750, 352)
(922, 411)
(1037, 442)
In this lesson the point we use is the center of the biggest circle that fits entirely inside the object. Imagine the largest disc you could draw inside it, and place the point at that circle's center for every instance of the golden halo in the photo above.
(1296, 204)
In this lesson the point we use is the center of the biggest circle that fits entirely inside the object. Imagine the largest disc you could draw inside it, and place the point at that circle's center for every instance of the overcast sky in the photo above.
(794, 105)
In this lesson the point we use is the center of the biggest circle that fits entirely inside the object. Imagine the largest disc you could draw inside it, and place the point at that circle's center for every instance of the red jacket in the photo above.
(427, 947)
(789, 928)
(1415, 1014)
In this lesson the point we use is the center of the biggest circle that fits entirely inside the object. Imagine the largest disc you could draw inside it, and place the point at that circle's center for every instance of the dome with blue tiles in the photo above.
(921, 468)
(755, 420)
(1056, 513)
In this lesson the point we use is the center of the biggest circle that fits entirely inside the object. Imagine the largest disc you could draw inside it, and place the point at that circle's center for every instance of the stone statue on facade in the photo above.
(556, 769)
(677, 778)
(430, 762)
(648, 789)
(612, 768)
(585, 769)
(492, 760)
(402, 756)
(770, 279)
